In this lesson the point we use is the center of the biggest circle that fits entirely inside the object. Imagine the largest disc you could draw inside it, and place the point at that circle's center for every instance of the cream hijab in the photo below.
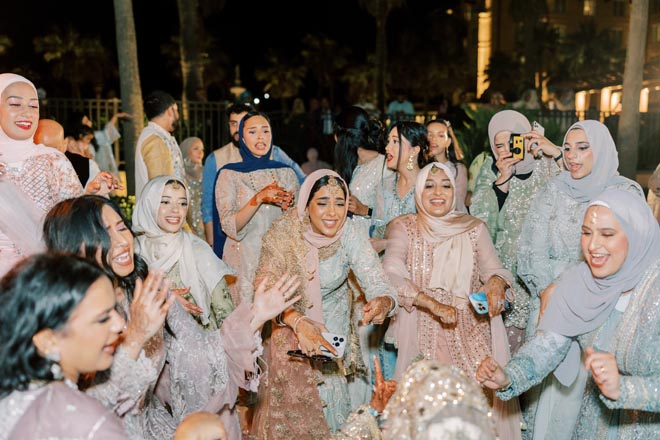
(511, 120)
(12, 150)
(316, 241)
(199, 267)
(453, 258)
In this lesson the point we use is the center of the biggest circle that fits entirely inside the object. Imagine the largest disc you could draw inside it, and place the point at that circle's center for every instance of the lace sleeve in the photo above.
(484, 203)
(394, 263)
(122, 387)
(533, 255)
(534, 361)
(636, 393)
(365, 264)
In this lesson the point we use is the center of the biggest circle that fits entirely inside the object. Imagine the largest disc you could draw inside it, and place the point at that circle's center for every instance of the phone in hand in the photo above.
(314, 357)
(337, 341)
(480, 303)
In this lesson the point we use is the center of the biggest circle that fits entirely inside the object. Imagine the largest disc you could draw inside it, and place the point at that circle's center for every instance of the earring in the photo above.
(410, 164)
(55, 369)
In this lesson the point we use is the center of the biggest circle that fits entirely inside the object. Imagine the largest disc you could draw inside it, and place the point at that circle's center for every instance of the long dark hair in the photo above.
(416, 134)
(39, 293)
(354, 129)
(76, 226)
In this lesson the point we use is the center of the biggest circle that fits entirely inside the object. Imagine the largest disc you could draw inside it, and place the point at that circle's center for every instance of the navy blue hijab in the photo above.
(250, 163)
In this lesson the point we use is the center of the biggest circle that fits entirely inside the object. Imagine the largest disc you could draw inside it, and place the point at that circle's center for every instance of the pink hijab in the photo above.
(12, 150)
(315, 241)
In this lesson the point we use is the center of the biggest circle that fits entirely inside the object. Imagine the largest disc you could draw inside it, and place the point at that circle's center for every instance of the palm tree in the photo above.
(75, 59)
(325, 59)
(380, 10)
(628, 138)
(283, 79)
(191, 31)
(129, 76)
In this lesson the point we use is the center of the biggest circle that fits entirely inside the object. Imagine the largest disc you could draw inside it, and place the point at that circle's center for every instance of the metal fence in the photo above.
(207, 120)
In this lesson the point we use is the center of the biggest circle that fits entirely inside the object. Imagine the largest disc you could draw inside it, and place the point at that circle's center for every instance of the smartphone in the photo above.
(480, 303)
(538, 128)
(316, 357)
(517, 146)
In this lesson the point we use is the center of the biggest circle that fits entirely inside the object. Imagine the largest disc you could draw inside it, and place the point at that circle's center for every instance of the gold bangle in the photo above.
(506, 283)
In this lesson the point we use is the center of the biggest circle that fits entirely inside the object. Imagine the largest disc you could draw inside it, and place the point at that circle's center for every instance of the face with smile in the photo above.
(234, 122)
(173, 208)
(257, 135)
(398, 150)
(438, 193)
(439, 140)
(19, 111)
(502, 144)
(327, 209)
(120, 255)
(604, 242)
(88, 340)
(578, 154)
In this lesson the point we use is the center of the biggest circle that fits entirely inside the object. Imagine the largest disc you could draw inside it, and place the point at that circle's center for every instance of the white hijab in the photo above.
(199, 267)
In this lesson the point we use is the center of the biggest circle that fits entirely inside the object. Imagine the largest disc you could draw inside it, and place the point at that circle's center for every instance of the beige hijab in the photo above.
(453, 258)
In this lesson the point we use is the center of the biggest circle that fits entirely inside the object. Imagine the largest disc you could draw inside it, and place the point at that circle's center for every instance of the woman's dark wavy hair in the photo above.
(354, 129)
(38, 293)
(76, 226)
(451, 149)
(323, 181)
(416, 134)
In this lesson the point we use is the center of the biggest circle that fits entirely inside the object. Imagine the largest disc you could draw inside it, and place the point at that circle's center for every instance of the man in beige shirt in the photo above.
(157, 151)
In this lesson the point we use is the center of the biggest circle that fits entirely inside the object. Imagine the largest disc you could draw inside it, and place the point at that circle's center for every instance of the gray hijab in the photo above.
(515, 122)
(582, 303)
(604, 172)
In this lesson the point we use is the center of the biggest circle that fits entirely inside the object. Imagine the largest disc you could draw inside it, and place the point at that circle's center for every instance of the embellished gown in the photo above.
(549, 244)
(242, 248)
(630, 333)
(298, 399)
(505, 225)
(408, 262)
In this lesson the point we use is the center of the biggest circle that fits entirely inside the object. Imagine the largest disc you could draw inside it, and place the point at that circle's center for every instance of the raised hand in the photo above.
(491, 375)
(103, 184)
(191, 308)
(273, 194)
(148, 311)
(604, 371)
(383, 390)
(267, 304)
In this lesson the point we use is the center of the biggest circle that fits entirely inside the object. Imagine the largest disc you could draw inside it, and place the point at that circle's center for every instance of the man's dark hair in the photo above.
(156, 103)
(235, 109)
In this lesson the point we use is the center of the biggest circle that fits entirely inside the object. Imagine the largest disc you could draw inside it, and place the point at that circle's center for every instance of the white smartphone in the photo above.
(337, 341)
(538, 128)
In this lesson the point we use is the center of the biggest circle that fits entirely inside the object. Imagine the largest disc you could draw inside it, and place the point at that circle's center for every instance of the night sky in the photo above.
(235, 29)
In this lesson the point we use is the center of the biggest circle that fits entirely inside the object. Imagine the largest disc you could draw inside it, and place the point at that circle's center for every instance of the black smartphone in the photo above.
(315, 357)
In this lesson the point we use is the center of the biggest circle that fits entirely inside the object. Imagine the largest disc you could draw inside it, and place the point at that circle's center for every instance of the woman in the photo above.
(444, 148)
(193, 157)
(204, 369)
(405, 153)
(549, 244)
(249, 195)
(34, 177)
(189, 262)
(503, 192)
(57, 323)
(322, 246)
(607, 304)
(436, 259)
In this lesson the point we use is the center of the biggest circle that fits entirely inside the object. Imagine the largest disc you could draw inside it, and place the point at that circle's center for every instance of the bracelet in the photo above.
(505, 387)
(370, 211)
(502, 183)
(279, 320)
(296, 321)
(561, 155)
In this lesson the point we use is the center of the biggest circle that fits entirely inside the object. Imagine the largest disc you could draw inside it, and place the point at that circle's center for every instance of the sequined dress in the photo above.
(299, 400)
(242, 248)
(46, 179)
(549, 244)
(630, 335)
(408, 262)
(194, 184)
(392, 205)
(505, 225)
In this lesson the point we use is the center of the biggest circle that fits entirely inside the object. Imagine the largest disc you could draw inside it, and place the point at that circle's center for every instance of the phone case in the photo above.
(338, 341)
(479, 302)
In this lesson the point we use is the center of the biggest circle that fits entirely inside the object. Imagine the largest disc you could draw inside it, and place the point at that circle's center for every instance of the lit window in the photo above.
(589, 8)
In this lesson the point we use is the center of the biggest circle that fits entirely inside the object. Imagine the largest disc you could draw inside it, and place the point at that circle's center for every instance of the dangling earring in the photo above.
(55, 369)
(410, 165)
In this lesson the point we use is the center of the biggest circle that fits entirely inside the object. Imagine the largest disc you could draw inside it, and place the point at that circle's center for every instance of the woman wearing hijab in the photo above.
(33, 177)
(249, 195)
(188, 261)
(606, 306)
(193, 157)
(306, 399)
(436, 259)
(503, 191)
(549, 244)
